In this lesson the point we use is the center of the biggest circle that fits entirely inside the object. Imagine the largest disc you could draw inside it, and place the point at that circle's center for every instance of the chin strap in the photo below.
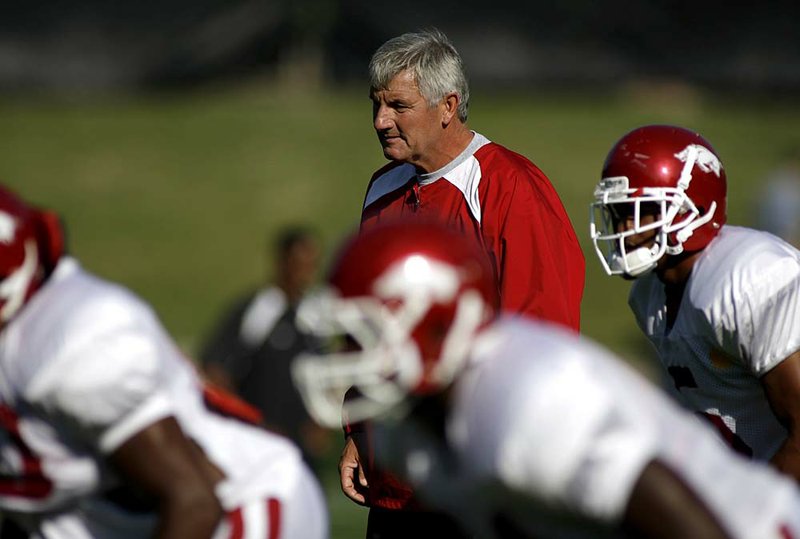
(641, 260)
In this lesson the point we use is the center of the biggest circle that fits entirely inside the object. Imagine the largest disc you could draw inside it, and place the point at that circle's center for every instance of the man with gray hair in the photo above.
(442, 170)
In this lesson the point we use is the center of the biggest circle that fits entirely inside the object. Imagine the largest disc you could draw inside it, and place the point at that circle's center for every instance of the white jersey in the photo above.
(739, 318)
(551, 433)
(85, 366)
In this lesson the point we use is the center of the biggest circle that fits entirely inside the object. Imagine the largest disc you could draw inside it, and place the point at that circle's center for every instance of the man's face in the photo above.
(300, 265)
(408, 129)
(624, 219)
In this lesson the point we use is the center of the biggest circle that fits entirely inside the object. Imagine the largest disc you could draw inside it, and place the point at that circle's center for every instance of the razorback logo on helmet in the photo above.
(703, 158)
(419, 276)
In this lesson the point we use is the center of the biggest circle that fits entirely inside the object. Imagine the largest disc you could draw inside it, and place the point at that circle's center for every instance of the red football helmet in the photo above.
(407, 299)
(30, 244)
(669, 173)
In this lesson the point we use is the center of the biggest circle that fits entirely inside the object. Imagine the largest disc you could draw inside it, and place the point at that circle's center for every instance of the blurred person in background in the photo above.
(720, 303)
(106, 430)
(518, 427)
(779, 203)
(250, 349)
(442, 170)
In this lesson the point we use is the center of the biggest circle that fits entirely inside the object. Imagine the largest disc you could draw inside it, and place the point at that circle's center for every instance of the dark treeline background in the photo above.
(91, 45)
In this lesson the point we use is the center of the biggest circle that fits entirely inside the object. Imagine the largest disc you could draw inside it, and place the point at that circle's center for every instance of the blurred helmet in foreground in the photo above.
(404, 302)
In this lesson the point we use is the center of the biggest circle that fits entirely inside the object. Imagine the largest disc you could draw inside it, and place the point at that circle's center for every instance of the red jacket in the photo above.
(514, 211)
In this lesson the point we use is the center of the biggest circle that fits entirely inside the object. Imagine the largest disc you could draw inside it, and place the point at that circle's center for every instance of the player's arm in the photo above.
(352, 476)
(782, 388)
(662, 507)
(163, 463)
(350, 471)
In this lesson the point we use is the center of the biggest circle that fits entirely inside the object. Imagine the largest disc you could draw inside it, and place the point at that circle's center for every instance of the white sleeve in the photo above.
(767, 327)
(112, 387)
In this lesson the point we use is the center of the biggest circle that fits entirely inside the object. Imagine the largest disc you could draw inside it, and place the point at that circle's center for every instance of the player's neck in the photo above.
(291, 290)
(674, 271)
(453, 142)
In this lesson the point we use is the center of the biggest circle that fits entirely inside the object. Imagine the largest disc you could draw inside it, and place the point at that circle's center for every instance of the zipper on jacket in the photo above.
(416, 191)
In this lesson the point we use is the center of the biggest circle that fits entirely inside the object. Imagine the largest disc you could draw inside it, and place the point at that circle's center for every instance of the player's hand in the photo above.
(349, 469)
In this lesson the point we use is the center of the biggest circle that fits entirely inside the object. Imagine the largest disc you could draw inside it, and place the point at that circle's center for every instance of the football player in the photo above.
(718, 302)
(106, 430)
(517, 427)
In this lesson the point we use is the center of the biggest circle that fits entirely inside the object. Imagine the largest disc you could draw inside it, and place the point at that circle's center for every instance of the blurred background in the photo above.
(176, 136)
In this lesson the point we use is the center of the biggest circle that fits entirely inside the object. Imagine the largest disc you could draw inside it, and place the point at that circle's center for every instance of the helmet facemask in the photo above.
(383, 344)
(666, 210)
(368, 349)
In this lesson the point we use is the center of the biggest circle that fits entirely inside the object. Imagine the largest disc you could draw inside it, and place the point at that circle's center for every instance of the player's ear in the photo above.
(450, 108)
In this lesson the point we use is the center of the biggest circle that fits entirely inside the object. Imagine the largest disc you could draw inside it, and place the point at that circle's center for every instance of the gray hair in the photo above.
(432, 60)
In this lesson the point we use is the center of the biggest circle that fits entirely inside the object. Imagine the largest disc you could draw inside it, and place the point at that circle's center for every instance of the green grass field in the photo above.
(175, 195)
